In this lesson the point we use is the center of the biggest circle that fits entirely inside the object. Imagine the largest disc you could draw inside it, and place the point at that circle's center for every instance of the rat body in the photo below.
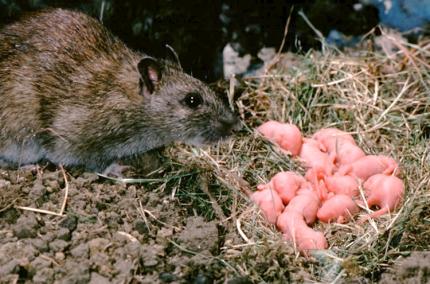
(74, 94)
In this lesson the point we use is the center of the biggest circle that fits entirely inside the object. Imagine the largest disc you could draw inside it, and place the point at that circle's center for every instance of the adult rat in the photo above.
(74, 94)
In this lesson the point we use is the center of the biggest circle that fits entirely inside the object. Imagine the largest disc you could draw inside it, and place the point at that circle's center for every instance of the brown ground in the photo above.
(128, 234)
(109, 233)
(412, 269)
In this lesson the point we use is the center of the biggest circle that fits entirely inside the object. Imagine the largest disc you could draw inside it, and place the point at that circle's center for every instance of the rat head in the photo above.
(181, 107)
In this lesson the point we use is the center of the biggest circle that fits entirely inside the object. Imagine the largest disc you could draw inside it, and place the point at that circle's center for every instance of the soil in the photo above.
(117, 233)
(109, 233)
(412, 269)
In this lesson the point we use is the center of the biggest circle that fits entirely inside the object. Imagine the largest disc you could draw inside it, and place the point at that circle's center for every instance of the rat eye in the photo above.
(193, 100)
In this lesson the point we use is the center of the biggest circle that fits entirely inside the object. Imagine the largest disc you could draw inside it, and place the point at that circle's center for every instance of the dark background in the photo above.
(199, 30)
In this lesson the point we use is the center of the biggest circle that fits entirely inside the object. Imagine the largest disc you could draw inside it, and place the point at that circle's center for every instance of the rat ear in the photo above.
(150, 74)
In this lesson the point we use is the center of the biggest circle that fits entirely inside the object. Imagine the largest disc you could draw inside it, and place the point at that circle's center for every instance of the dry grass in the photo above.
(383, 99)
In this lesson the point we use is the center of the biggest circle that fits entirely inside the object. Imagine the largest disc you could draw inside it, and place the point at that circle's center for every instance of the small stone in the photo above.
(58, 245)
(49, 189)
(150, 262)
(59, 256)
(81, 251)
(40, 244)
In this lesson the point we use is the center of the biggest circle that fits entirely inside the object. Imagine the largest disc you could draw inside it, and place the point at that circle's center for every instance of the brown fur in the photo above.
(72, 93)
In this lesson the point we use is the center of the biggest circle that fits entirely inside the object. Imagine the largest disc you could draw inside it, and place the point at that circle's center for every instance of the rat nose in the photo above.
(229, 122)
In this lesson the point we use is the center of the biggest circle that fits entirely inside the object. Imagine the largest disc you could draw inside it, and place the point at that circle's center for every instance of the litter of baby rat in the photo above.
(329, 191)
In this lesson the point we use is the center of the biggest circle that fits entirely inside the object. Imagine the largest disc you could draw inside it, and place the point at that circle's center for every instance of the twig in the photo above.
(102, 11)
(316, 31)
(161, 222)
(348, 77)
(175, 55)
(129, 180)
(66, 191)
(142, 213)
(230, 94)
(38, 210)
(278, 54)
(241, 233)
(402, 91)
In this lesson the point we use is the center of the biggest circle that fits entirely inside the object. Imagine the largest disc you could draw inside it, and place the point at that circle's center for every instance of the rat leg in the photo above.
(116, 170)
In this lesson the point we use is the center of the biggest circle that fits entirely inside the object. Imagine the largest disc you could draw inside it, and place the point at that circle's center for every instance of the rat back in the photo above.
(55, 66)
(74, 94)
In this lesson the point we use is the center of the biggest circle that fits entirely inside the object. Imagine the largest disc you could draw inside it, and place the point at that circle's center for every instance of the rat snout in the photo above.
(229, 122)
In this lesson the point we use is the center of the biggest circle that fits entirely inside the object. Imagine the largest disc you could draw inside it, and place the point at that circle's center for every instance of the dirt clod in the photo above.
(44, 275)
(39, 263)
(412, 269)
(199, 235)
(140, 226)
(98, 279)
(70, 222)
(26, 226)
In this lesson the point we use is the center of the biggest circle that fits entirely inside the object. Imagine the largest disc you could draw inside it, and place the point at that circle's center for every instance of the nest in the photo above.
(378, 93)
